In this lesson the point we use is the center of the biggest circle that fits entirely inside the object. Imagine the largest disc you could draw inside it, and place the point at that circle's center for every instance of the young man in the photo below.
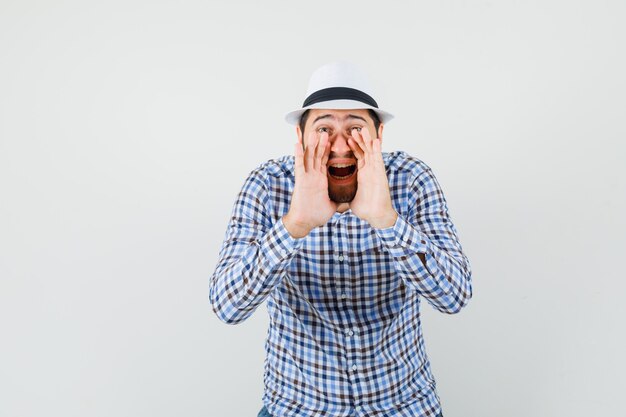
(343, 241)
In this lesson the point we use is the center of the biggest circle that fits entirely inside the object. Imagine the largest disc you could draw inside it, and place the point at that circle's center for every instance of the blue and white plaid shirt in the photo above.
(345, 336)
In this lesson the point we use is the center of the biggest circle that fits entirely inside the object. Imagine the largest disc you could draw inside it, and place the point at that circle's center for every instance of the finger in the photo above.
(358, 153)
(309, 153)
(358, 138)
(325, 158)
(367, 139)
(378, 154)
(377, 146)
(320, 149)
(298, 159)
(356, 149)
(358, 142)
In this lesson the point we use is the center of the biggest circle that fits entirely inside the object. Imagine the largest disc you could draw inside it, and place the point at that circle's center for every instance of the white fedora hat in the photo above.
(338, 85)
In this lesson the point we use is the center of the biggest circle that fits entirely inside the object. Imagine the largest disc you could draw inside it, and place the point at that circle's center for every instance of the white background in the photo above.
(128, 127)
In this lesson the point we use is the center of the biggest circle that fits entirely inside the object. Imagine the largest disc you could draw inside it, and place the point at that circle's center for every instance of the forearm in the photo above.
(442, 278)
(247, 273)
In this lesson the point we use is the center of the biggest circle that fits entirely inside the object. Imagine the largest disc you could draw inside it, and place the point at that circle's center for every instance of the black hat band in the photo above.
(339, 93)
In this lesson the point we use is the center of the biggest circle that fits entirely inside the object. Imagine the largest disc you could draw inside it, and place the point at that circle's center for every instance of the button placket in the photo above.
(339, 257)
(345, 259)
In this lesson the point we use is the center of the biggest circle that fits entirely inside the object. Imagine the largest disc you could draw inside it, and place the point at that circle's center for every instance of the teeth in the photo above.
(341, 165)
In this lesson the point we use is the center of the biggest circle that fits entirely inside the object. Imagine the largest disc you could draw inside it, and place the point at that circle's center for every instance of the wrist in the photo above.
(385, 221)
(296, 229)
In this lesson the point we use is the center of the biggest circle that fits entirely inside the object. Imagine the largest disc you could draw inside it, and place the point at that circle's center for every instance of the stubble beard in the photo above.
(342, 194)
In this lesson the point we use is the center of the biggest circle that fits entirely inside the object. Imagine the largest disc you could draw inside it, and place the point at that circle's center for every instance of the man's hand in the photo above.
(372, 201)
(310, 205)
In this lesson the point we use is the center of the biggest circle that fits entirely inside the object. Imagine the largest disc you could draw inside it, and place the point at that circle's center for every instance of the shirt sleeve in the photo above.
(445, 279)
(253, 257)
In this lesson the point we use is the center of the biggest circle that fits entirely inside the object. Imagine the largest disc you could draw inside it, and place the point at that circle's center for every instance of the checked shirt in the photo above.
(345, 336)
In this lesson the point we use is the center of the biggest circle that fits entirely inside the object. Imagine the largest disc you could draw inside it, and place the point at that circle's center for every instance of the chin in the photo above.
(342, 194)
(341, 199)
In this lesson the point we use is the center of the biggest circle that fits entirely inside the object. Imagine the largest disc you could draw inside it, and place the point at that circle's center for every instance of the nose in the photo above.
(339, 144)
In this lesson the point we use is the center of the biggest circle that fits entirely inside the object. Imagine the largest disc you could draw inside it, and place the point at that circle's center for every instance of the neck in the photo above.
(343, 207)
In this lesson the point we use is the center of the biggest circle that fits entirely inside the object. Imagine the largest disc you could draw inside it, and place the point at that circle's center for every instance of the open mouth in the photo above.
(341, 171)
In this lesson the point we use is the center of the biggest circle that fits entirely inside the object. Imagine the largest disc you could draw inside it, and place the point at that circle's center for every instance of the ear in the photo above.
(380, 132)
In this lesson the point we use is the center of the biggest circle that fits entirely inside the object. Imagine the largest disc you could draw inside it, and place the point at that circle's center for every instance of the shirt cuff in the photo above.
(403, 236)
(278, 245)
(403, 241)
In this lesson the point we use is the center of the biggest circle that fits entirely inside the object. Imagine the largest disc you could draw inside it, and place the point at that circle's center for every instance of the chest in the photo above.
(344, 262)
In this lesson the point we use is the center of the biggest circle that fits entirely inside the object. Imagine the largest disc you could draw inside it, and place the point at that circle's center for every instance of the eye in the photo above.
(358, 128)
(323, 130)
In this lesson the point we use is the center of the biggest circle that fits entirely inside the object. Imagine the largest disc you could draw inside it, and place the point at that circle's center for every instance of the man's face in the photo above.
(342, 164)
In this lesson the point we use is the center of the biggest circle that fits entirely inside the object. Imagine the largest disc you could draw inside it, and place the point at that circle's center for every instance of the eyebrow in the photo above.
(354, 116)
(327, 116)
(323, 116)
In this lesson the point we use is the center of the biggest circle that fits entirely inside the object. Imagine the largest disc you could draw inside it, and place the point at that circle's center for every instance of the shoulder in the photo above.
(276, 167)
(269, 171)
(400, 163)
(268, 188)
(411, 180)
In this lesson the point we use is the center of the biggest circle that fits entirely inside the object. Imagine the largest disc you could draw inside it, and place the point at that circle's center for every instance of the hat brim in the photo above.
(293, 117)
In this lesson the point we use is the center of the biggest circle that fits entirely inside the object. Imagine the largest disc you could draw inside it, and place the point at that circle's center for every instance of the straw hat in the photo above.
(338, 85)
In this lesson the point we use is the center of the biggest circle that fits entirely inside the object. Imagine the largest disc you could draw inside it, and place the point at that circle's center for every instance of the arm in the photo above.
(253, 257)
(256, 253)
(426, 249)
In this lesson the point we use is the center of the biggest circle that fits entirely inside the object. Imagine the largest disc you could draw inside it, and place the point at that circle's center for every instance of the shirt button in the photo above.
(340, 258)
(358, 408)
(354, 367)
(350, 333)
(344, 296)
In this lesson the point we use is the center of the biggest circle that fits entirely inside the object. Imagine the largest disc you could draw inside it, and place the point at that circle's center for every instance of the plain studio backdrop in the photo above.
(127, 129)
